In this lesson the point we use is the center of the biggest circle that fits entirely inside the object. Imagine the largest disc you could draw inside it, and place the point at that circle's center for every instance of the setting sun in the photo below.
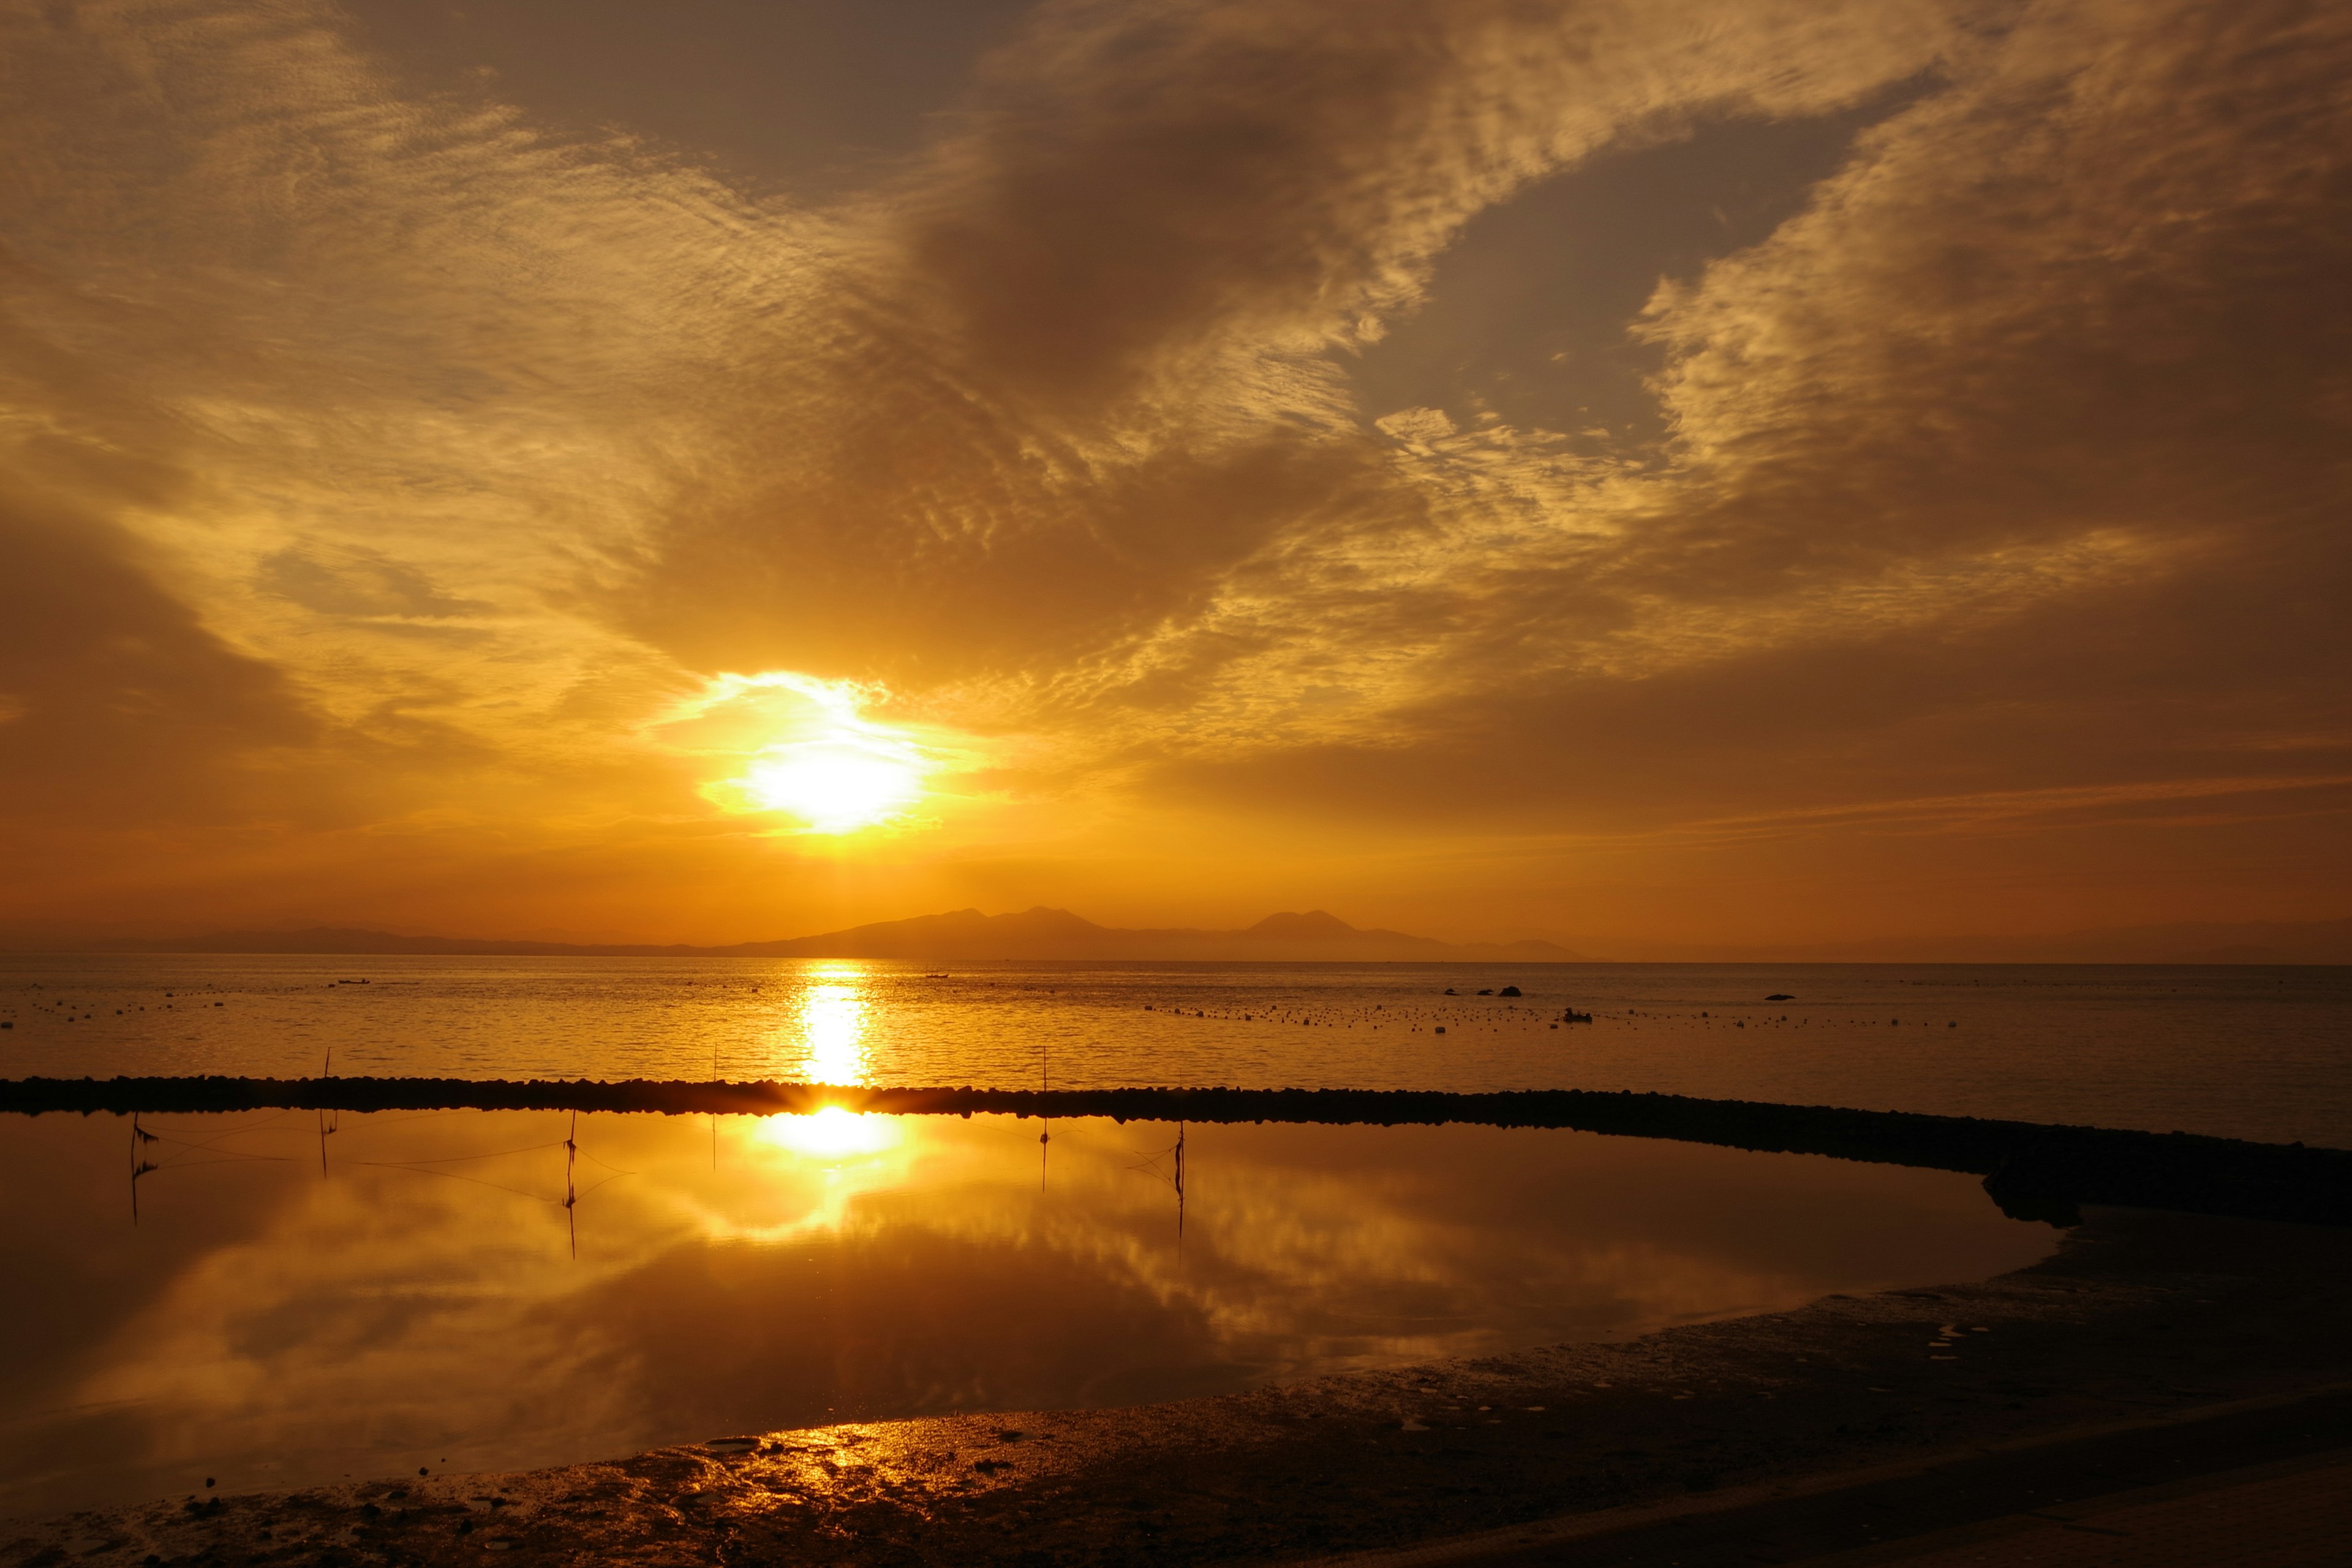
(804, 748)
(836, 785)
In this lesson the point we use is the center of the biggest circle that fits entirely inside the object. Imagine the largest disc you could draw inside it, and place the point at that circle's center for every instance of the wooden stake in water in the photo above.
(1045, 1086)
(571, 1191)
(140, 1164)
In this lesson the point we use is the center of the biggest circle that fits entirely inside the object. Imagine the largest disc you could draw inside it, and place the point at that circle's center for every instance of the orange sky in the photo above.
(1702, 470)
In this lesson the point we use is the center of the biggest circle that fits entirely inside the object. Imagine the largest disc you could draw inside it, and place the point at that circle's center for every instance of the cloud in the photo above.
(449, 451)
(394, 363)
(121, 706)
(1077, 373)
(355, 582)
(2039, 406)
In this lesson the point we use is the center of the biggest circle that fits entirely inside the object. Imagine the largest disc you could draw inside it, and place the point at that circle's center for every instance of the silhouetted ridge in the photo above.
(1313, 925)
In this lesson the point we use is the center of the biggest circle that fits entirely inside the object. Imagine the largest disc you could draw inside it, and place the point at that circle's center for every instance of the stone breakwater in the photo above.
(2032, 1170)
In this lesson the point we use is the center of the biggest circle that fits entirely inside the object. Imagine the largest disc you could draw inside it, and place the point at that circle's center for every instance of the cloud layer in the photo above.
(389, 463)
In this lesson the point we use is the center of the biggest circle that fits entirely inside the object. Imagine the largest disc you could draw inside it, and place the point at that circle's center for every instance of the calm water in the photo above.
(301, 1298)
(2240, 1051)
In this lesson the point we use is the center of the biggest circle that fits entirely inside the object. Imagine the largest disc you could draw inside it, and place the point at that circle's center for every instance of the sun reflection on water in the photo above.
(910, 1263)
(833, 1025)
(831, 1133)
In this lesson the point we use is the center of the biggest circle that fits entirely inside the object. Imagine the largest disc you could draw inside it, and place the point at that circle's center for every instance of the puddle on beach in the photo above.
(301, 1298)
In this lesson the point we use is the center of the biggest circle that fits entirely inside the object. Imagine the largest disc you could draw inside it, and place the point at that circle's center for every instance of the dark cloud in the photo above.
(2170, 685)
(126, 711)
(2090, 287)
(356, 582)
(810, 97)
(2013, 464)
(1074, 375)
(1526, 315)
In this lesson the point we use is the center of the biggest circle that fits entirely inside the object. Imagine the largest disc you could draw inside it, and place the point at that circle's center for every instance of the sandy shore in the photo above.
(2138, 1315)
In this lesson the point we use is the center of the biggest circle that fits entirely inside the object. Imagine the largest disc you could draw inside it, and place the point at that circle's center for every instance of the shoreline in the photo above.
(2032, 1170)
(2140, 1315)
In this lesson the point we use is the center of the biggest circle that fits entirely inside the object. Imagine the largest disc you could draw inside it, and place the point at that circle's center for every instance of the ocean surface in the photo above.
(289, 1298)
(280, 1299)
(2238, 1051)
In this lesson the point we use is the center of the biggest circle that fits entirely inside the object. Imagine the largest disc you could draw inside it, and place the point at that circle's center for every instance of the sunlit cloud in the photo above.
(395, 474)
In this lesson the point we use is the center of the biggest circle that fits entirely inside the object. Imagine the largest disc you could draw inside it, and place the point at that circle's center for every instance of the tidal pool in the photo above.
(282, 1299)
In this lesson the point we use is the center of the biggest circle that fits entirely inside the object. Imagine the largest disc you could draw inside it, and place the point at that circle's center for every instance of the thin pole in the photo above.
(571, 1191)
(1179, 1189)
(138, 1165)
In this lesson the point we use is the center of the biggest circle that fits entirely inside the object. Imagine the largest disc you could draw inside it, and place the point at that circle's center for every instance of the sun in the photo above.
(838, 784)
(802, 748)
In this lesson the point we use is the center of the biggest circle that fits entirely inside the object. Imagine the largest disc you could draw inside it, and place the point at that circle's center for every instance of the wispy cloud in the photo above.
(434, 454)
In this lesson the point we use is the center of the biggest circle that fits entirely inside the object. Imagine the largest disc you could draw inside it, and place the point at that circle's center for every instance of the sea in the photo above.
(2231, 1050)
(284, 1299)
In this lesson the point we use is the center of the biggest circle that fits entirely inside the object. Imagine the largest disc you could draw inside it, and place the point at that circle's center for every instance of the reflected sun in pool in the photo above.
(831, 1133)
(757, 1273)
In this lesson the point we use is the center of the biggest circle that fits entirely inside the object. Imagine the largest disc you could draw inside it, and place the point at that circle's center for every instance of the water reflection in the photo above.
(1168, 1166)
(485, 1289)
(2234, 1050)
(831, 1133)
(833, 1025)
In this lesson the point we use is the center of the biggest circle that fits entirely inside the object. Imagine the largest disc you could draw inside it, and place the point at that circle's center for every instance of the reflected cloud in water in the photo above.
(420, 1303)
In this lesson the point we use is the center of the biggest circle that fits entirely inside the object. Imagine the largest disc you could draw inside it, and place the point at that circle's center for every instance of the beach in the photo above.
(2140, 1320)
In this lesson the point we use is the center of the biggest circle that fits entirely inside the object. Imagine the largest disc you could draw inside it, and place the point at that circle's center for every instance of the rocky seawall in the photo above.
(2032, 1170)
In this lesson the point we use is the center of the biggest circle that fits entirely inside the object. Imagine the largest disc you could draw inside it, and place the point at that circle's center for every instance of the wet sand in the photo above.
(2140, 1320)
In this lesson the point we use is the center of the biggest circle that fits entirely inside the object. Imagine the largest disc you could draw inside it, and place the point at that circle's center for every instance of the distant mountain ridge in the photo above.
(958, 935)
